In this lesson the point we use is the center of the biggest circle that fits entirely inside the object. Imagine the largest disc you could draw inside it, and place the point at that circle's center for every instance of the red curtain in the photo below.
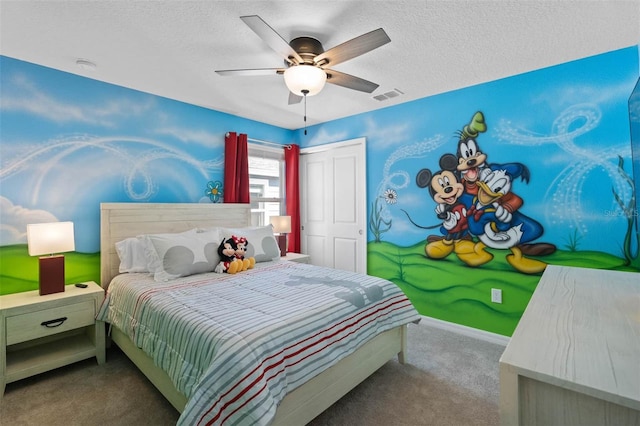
(292, 189)
(236, 168)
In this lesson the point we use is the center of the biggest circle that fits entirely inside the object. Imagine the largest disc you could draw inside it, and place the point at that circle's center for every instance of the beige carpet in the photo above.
(449, 380)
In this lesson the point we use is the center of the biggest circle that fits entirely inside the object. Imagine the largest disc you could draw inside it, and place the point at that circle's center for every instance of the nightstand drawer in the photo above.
(33, 325)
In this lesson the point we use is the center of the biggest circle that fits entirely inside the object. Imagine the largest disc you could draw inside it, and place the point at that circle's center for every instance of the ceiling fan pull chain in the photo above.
(304, 93)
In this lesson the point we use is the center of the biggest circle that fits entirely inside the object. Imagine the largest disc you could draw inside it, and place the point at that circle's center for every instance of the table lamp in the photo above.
(51, 239)
(282, 226)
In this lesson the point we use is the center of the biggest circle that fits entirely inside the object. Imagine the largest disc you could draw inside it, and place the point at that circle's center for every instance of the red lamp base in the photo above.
(282, 243)
(51, 274)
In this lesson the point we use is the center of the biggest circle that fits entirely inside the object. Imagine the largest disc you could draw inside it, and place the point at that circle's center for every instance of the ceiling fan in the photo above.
(306, 62)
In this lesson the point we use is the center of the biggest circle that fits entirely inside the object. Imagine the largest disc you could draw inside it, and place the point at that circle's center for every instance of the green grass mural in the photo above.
(22, 274)
(449, 290)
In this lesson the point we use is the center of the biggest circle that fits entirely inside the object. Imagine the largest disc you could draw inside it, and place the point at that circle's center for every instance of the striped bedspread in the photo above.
(235, 345)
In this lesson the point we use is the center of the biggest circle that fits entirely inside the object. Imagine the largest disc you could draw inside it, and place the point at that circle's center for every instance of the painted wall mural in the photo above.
(481, 188)
(552, 181)
(68, 143)
(475, 198)
(488, 228)
(634, 121)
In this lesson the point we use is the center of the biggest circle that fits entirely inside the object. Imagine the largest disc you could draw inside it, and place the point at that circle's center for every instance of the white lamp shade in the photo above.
(281, 224)
(305, 77)
(50, 238)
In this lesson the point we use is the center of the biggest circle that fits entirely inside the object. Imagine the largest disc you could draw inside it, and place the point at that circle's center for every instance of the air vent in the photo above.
(388, 95)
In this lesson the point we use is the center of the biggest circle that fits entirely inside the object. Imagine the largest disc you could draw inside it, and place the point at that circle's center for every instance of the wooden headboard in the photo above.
(123, 220)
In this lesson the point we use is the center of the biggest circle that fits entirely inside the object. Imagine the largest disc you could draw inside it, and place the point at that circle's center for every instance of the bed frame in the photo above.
(122, 220)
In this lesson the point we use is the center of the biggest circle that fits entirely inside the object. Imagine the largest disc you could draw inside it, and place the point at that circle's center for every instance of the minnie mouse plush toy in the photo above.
(228, 261)
(241, 248)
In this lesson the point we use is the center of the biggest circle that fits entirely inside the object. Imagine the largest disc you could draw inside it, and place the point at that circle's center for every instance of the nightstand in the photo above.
(297, 257)
(40, 333)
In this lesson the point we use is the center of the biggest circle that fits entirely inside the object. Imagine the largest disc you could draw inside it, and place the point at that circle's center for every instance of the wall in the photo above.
(562, 134)
(559, 135)
(634, 121)
(68, 143)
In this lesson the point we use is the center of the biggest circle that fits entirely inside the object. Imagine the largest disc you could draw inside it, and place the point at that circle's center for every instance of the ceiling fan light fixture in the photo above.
(301, 78)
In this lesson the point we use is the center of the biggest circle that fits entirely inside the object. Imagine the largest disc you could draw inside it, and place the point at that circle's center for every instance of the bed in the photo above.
(305, 366)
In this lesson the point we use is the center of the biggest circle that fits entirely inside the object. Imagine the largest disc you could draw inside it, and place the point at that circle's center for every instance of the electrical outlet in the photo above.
(496, 295)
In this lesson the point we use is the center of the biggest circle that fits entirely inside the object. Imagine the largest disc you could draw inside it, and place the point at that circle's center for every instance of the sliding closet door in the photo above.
(333, 205)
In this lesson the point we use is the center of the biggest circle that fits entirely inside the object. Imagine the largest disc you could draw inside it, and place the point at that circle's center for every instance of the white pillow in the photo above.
(131, 252)
(261, 243)
(171, 256)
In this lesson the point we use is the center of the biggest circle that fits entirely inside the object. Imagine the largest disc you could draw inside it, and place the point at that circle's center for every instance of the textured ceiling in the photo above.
(171, 48)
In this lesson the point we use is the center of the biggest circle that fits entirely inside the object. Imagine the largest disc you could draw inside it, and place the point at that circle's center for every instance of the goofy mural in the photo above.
(479, 209)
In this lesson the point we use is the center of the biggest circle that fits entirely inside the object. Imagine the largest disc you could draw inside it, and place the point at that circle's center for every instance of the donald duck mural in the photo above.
(476, 200)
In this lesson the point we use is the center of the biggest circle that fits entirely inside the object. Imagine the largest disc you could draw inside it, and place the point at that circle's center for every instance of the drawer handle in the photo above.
(54, 322)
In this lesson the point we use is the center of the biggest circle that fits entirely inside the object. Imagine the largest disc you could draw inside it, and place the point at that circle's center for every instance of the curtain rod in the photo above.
(288, 146)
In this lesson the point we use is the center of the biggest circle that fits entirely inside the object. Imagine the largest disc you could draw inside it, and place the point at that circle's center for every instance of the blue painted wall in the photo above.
(634, 122)
(567, 123)
(565, 129)
(68, 143)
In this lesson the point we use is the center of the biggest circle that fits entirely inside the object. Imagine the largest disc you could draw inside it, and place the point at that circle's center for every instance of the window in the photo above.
(266, 183)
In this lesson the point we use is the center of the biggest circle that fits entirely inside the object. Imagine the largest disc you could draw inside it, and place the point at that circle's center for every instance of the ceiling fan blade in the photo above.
(251, 72)
(272, 38)
(294, 99)
(350, 81)
(352, 48)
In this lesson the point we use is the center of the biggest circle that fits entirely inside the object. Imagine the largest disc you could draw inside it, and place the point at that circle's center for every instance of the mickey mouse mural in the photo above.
(479, 209)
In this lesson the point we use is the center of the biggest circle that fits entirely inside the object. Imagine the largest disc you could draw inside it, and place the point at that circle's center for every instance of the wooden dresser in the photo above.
(574, 358)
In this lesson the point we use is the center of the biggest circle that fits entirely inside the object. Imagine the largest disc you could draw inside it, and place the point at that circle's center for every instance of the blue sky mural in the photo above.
(69, 143)
(568, 124)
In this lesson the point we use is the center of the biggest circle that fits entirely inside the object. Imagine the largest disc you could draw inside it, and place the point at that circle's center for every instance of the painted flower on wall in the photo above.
(378, 223)
(390, 196)
(214, 191)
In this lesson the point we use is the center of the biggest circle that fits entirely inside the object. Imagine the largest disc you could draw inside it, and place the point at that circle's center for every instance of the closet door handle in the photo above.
(54, 322)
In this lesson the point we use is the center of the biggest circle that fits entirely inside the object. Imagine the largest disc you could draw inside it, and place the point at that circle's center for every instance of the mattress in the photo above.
(236, 344)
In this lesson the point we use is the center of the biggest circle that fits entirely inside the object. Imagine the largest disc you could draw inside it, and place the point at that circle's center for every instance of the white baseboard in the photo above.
(487, 336)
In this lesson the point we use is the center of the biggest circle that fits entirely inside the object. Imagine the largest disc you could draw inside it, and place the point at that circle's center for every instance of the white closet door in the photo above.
(334, 206)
